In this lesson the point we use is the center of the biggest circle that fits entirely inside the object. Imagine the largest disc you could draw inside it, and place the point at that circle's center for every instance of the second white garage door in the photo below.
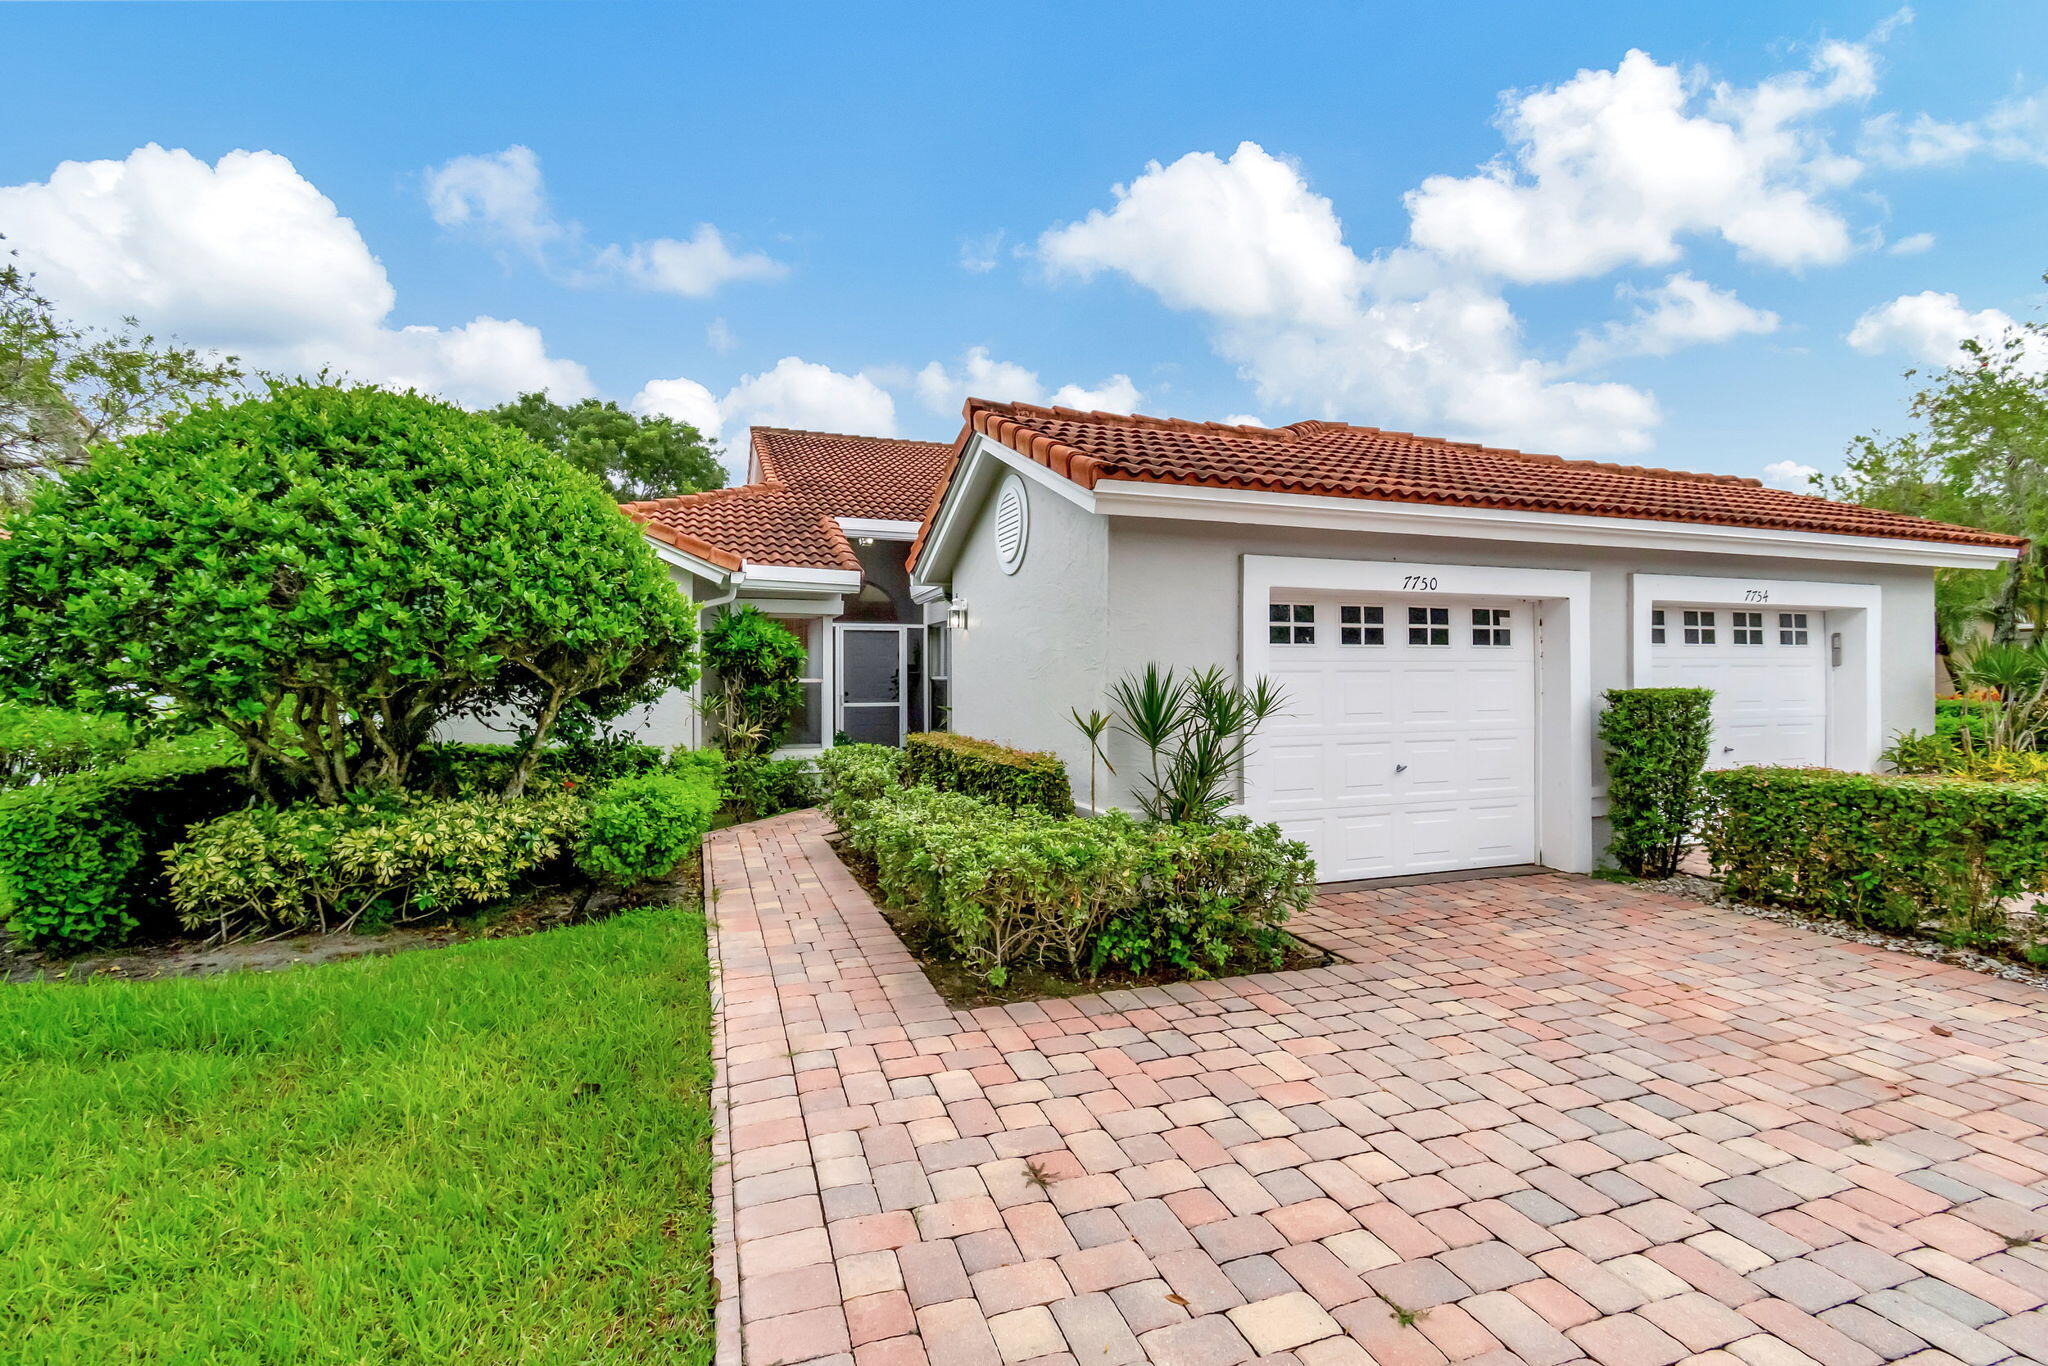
(1409, 744)
(1768, 670)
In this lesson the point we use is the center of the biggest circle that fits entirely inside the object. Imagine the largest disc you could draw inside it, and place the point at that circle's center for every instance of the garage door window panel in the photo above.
(1792, 628)
(1291, 623)
(1429, 626)
(1699, 627)
(1491, 629)
(1358, 624)
(1747, 628)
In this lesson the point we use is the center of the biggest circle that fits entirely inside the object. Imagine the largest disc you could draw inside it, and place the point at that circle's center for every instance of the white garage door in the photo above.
(1409, 743)
(1768, 670)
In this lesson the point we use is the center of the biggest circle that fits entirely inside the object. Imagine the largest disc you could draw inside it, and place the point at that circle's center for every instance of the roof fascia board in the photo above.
(1192, 503)
(969, 486)
(880, 529)
(789, 578)
(683, 559)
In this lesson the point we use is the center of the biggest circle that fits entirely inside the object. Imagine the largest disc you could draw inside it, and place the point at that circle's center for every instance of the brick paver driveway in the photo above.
(1535, 1120)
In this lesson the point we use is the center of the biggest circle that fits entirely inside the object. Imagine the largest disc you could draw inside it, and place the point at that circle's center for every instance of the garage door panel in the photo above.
(1360, 845)
(1428, 749)
(1294, 771)
(1365, 769)
(1770, 699)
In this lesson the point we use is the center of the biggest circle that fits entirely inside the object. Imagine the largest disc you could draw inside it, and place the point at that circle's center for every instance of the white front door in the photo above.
(1768, 668)
(1409, 743)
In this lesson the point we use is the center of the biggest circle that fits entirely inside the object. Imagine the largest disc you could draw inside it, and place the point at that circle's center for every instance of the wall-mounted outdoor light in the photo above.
(956, 617)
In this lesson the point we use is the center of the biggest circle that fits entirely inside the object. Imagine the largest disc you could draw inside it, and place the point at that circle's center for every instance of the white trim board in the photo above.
(1130, 498)
(1564, 665)
(879, 529)
(1854, 610)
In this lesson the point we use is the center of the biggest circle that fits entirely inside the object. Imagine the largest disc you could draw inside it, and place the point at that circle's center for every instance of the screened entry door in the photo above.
(873, 674)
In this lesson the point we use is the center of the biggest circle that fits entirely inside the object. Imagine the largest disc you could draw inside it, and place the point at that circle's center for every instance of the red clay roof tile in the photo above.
(1339, 460)
(807, 480)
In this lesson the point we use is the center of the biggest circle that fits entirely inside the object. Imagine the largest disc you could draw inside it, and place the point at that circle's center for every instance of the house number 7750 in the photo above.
(1421, 581)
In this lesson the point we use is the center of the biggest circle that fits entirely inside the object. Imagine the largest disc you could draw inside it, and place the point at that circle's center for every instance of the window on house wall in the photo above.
(1429, 626)
(1699, 628)
(1791, 628)
(1490, 627)
(1291, 623)
(938, 650)
(1656, 626)
(1748, 627)
(1358, 624)
(808, 726)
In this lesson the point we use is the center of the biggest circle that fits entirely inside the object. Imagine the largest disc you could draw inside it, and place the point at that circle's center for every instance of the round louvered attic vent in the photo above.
(1013, 524)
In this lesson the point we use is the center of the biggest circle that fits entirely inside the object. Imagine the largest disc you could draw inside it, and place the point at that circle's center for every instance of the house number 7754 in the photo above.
(1756, 595)
(1421, 581)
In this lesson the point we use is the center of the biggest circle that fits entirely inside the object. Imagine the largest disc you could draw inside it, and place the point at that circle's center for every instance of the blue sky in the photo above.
(1485, 221)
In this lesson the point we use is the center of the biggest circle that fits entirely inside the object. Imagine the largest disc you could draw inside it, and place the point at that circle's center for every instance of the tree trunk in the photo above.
(558, 697)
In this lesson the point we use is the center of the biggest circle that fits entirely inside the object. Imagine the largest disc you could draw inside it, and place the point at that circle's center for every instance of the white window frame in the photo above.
(1364, 623)
(1428, 627)
(1497, 627)
(1737, 627)
(1294, 625)
(1794, 624)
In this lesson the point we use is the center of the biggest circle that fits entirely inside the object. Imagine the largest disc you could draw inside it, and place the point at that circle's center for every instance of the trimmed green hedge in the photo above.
(852, 775)
(1014, 778)
(1009, 888)
(643, 828)
(44, 742)
(757, 786)
(1892, 850)
(1657, 742)
(325, 867)
(79, 853)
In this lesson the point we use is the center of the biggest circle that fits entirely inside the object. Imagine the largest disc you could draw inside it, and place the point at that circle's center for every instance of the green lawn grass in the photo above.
(496, 1152)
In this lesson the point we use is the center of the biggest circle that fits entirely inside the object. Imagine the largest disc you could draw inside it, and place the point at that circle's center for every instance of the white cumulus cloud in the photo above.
(1681, 312)
(501, 197)
(943, 388)
(246, 256)
(2014, 129)
(1928, 327)
(1912, 245)
(792, 393)
(1790, 474)
(1114, 395)
(1615, 168)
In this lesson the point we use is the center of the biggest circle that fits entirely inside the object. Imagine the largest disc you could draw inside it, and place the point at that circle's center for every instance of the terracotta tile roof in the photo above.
(806, 480)
(1339, 460)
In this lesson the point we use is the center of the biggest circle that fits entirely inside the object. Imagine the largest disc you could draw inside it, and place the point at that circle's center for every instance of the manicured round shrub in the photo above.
(329, 573)
(643, 828)
(38, 743)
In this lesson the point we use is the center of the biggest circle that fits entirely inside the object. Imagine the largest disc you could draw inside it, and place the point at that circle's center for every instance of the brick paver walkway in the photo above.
(1536, 1120)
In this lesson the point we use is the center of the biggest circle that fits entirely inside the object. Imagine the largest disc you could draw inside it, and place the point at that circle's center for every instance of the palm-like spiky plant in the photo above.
(1196, 730)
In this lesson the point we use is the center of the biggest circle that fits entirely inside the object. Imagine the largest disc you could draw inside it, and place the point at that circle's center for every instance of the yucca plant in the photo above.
(1196, 730)
(1093, 725)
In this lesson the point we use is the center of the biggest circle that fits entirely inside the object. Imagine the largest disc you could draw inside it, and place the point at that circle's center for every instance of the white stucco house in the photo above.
(1443, 616)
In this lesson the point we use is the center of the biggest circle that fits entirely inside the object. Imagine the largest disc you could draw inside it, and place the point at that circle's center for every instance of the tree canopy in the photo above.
(65, 389)
(1980, 458)
(331, 572)
(637, 457)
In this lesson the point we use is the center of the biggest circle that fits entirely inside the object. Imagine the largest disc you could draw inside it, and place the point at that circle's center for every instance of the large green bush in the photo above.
(43, 742)
(1657, 742)
(1014, 778)
(1009, 888)
(757, 786)
(1892, 850)
(330, 573)
(80, 854)
(852, 775)
(328, 867)
(642, 828)
(754, 692)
